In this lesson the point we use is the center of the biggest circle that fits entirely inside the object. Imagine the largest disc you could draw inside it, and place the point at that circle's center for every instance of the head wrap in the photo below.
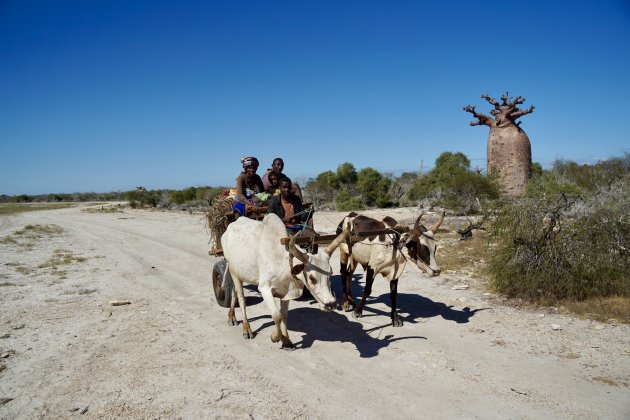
(249, 161)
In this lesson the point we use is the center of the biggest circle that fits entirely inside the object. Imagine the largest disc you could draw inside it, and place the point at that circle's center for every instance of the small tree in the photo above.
(374, 187)
(401, 185)
(347, 174)
(452, 184)
(321, 190)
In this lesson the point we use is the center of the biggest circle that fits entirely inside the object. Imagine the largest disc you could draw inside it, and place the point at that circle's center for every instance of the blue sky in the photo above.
(108, 95)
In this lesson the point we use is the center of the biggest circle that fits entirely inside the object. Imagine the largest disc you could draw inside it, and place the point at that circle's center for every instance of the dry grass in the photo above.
(80, 292)
(23, 270)
(8, 240)
(35, 231)
(12, 208)
(602, 309)
(61, 258)
(118, 208)
(469, 255)
(25, 237)
(216, 220)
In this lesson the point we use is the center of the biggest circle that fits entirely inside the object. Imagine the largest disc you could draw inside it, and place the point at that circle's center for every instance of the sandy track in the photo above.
(170, 353)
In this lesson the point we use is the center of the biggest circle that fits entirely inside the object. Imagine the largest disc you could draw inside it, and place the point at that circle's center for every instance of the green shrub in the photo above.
(374, 188)
(453, 185)
(344, 201)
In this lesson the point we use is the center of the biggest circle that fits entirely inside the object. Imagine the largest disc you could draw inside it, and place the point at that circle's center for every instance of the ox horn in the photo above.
(338, 240)
(296, 252)
(437, 224)
(416, 225)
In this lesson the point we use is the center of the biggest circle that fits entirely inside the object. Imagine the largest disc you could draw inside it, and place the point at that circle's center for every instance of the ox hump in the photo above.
(366, 224)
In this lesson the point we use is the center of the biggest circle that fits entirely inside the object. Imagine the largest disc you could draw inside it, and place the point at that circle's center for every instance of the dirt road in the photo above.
(66, 352)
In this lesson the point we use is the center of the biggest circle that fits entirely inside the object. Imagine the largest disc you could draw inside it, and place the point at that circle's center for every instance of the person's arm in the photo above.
(275, 207)
(240, 191)
(297, 207)
(265, 180)
(259, 182)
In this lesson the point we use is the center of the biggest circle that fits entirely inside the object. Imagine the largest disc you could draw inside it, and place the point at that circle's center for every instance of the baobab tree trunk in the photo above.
(509, 153)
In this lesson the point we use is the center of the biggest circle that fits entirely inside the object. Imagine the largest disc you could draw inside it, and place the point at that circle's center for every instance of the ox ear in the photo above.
(390, 222)
(297, 269)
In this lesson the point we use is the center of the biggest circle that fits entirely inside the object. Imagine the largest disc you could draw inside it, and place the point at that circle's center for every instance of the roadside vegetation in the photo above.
(451, 184)
(564, 243)
(567, 241)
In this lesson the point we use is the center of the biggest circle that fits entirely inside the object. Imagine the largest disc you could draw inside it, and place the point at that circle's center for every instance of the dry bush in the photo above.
(549, 251)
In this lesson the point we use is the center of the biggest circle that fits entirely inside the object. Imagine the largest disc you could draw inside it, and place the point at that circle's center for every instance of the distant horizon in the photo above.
(396, 173)
(106, 96)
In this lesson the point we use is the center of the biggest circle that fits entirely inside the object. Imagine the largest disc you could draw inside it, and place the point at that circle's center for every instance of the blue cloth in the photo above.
(239, 207)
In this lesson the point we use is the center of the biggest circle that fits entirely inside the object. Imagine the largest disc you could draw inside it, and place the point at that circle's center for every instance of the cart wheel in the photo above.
(223, 295)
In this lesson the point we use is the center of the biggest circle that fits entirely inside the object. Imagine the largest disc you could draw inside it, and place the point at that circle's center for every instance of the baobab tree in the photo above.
(509, 152)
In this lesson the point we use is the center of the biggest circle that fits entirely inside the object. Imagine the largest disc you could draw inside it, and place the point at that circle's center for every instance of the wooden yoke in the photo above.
(355, 237)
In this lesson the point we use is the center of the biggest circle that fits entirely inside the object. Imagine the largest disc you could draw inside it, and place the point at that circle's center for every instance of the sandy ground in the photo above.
(66, 352)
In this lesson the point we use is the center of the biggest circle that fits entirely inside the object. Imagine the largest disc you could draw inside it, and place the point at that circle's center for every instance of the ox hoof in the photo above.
(288, 346)
(357, 314)
(347, 306)
(248, 335)
(397, 322)
(232, 322)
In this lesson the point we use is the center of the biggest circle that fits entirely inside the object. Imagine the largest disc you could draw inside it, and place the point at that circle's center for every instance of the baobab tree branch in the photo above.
(481, 118)
(519, 100)
(505, 98)
(491, 101)
(520, 112)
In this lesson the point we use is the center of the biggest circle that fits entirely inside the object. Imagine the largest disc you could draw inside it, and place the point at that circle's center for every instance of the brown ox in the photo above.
(385, 254)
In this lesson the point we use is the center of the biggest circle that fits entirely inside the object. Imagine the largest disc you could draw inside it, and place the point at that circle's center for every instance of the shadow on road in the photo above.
(416, 306)
(336, 326)
(318, 325)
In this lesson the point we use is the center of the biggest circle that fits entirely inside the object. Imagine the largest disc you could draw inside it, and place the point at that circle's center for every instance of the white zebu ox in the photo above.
(255, 255)
(387, 255)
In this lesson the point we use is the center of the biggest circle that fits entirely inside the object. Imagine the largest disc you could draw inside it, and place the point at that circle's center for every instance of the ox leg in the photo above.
(284, 312)
(393, 292)
(369, 280)
(279, 317)
(347, 303)
(238, 287)
(231, 314)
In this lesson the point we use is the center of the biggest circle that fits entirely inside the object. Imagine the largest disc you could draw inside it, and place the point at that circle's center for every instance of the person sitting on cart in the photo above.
(288, 207)
(249, 186)
(274, 183)
(278, 166)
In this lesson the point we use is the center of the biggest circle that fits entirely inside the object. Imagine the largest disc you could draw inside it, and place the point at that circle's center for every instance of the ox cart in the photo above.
(220, 215)
(221, 279)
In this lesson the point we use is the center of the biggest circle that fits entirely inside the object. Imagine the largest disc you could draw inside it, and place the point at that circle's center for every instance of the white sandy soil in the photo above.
(67, 353)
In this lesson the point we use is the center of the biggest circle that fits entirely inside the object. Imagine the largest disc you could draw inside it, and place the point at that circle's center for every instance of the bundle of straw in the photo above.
(217, 221)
